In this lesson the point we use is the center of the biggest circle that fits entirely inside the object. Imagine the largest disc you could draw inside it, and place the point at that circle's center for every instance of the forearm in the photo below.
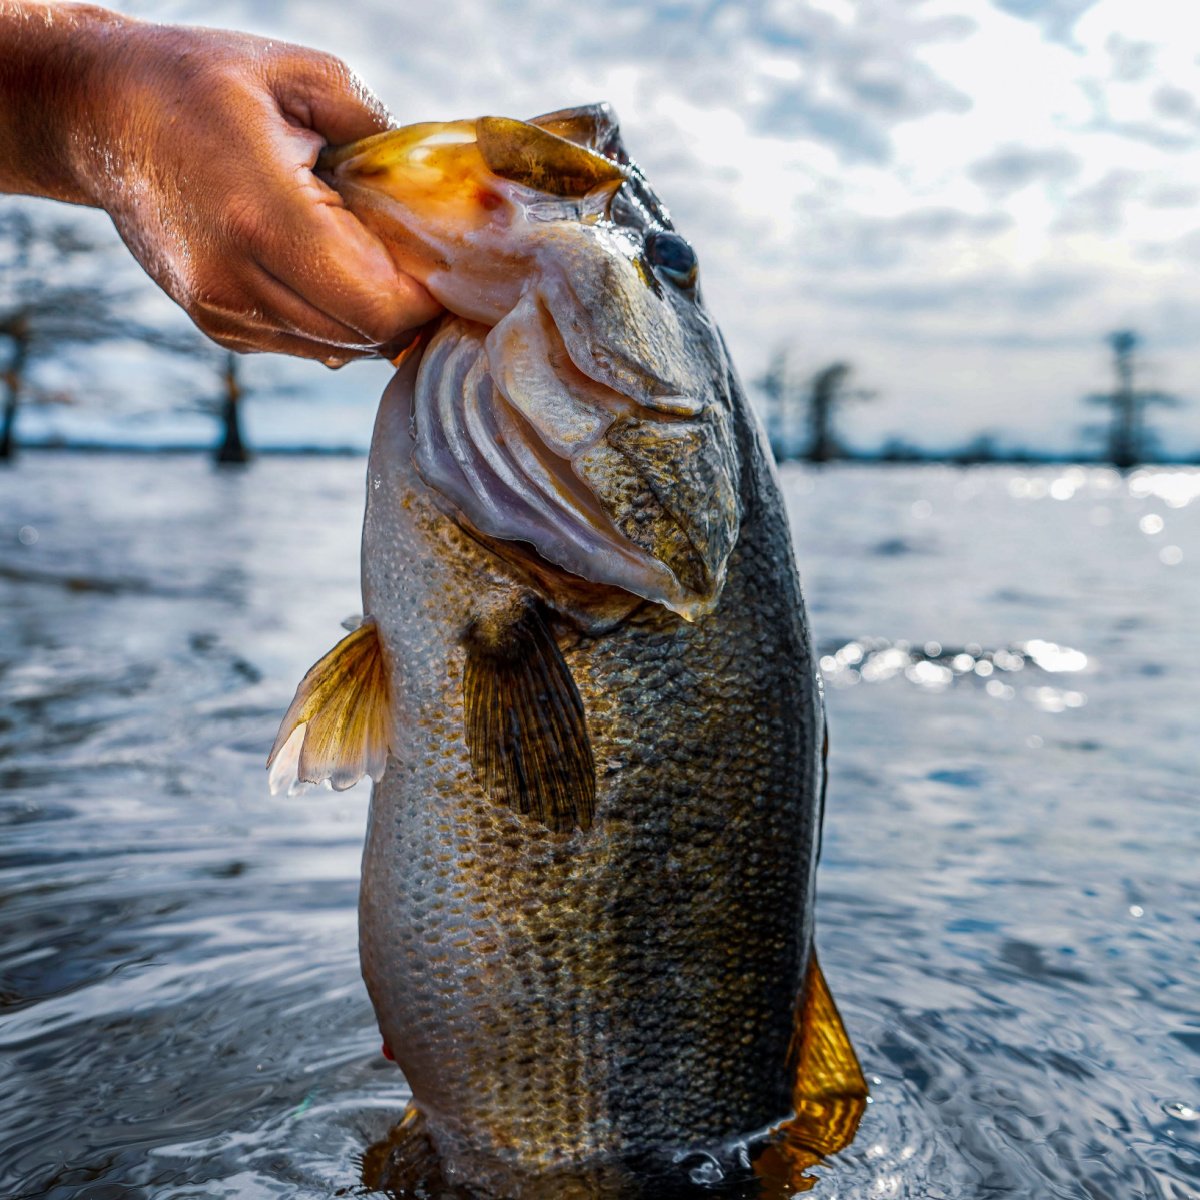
(51, 92)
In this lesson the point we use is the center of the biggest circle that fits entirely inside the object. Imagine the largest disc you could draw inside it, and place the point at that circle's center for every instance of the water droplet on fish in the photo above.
(27, 535)
(703, 1169)
(335, 360)
(1181, 1111)
(1136, 910)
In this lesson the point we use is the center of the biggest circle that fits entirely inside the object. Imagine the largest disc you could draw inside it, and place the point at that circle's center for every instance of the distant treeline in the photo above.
(63, 292)
(801, 412)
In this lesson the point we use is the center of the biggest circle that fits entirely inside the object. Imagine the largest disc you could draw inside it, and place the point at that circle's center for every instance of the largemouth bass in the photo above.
(584, 687)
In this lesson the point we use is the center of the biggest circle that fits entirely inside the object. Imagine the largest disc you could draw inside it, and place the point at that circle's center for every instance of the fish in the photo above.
(584, 689)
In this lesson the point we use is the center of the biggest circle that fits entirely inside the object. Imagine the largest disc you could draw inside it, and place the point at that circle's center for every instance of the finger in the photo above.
(253, 302)
(323, 94)
(332, 261)
(288, 311)
(249, 340)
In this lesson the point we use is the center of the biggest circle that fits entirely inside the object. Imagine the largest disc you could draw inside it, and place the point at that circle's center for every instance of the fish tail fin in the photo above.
(830, 1092)
(336, 728)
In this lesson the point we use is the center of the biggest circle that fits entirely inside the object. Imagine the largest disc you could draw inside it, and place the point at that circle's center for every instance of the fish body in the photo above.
(586, 909)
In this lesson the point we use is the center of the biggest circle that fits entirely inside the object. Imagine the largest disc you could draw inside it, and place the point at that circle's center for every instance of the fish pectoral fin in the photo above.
(830, 1092)
(335, 730)
(525, 726)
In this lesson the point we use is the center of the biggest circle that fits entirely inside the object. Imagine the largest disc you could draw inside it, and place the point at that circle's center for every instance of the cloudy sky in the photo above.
(961, 197)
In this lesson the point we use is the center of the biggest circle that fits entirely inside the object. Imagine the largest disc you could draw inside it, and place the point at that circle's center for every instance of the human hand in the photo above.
(200, 143)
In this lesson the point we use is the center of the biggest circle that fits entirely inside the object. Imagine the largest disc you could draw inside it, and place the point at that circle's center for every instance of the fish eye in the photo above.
(673, 256)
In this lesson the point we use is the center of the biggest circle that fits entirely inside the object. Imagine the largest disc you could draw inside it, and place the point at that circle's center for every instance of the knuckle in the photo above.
(332, 68)
(222, 335)
(211, 304)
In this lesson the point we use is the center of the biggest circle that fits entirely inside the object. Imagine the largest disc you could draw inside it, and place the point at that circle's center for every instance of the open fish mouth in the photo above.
(576, 398)
(531, 450)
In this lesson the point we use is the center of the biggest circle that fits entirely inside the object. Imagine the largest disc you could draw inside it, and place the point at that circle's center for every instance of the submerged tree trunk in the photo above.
(1123, 448)
(826, 392)
(13, 379)
(232, 450)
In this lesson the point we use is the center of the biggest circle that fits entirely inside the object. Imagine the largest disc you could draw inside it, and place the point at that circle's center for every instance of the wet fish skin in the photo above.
(585, 920)
(554, 998)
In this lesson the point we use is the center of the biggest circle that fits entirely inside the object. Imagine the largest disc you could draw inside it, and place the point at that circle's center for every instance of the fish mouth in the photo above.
(529, 449)
(444, 173)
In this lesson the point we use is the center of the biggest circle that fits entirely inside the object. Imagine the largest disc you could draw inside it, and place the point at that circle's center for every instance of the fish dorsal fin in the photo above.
(526, 732)
(830, 1092)
(336, 728)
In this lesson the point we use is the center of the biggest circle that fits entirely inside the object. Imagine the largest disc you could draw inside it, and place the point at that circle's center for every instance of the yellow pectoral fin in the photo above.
(336, 728)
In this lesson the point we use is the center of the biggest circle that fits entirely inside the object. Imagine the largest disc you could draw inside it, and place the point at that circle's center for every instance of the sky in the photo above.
(959, 197)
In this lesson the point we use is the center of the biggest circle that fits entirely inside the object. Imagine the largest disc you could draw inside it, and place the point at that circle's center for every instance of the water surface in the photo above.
(1010, 885)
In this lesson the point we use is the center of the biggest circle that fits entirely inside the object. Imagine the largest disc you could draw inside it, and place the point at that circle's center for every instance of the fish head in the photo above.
(577, 399)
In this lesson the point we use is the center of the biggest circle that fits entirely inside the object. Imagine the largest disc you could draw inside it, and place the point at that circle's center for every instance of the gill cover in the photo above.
(576, 398)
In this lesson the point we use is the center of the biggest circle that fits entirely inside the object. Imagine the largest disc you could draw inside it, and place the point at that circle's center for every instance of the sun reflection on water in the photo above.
(935, 667)
(1175, 488)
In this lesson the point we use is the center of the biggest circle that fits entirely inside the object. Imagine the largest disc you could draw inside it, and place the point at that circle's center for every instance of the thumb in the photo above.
(321, 93)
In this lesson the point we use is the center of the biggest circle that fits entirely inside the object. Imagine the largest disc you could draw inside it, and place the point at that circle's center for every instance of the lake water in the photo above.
(1009, 893)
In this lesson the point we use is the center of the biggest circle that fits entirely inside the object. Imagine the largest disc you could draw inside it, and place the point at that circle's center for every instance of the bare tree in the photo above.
(232, 450)
(1128, 438)
(827, 391)
(57, 292)
(224, 401)
(781, 400)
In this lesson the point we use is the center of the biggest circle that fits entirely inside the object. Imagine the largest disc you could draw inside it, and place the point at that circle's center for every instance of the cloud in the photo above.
(1101, 206)
(838, 240)
(1132, 61)
(985, 293)
(1056, 17)
(1176, 104)
(1170, 194)
(1010, 168)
